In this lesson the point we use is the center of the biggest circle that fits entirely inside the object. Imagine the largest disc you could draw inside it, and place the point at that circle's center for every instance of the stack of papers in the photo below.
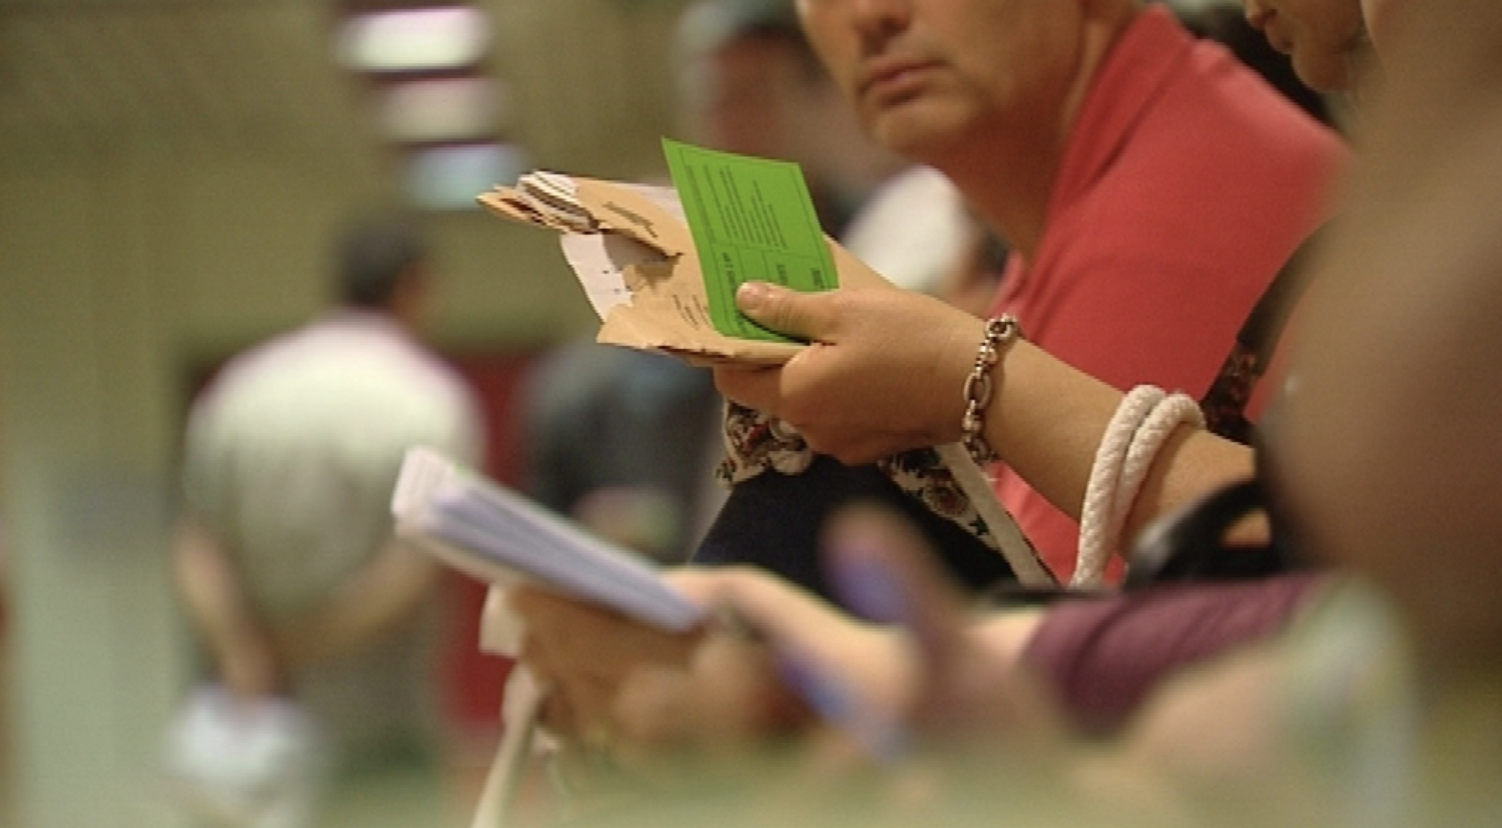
(481, 528)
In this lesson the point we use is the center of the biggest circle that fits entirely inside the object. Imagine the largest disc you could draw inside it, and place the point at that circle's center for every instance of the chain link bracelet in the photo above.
(1000, 332)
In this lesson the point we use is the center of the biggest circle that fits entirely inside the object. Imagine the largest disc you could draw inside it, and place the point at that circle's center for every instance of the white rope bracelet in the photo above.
(1142, 424)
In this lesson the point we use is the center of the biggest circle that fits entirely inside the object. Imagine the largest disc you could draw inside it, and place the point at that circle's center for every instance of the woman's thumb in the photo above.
(785, 311)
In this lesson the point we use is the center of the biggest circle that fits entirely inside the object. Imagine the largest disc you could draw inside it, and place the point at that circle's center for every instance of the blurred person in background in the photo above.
(312, 618)
(622, 441)
(750, 83)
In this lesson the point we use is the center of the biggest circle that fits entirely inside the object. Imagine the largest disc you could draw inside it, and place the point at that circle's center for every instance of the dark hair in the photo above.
(708, 25)
(373, 255)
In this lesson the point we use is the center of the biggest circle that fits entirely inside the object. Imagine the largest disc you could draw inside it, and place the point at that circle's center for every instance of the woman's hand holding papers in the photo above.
(883, 373)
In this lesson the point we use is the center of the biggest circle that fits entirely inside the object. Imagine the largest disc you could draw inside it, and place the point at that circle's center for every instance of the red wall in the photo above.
(472, 680)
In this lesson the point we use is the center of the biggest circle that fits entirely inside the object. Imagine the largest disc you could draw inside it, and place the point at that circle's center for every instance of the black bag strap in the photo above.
(1224, 404)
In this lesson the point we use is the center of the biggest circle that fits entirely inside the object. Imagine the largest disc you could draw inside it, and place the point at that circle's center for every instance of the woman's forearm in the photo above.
(1047, 420)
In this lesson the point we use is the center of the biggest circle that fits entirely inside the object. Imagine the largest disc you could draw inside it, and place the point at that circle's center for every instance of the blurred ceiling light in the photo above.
(444, 109)
(450, 177)
(414, 40)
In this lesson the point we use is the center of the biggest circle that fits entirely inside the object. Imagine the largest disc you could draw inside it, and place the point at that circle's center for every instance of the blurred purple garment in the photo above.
(1104, 655)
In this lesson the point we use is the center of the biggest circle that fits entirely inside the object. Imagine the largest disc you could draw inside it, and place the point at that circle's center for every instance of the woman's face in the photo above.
(1327, 39)
(928, 76)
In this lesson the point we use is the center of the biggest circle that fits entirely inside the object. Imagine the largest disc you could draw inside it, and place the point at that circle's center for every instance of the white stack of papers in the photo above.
(494, 534)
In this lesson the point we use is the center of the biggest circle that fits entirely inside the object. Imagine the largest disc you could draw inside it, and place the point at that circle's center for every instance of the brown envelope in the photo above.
(669, 306)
